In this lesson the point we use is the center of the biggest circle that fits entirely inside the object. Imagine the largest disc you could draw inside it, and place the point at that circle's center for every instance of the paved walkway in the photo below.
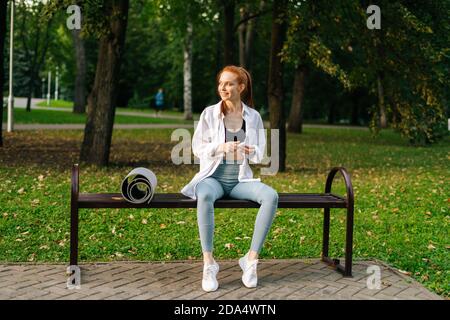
(278, 279)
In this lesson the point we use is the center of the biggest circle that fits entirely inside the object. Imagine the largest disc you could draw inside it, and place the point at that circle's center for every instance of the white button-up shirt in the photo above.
(210, 133)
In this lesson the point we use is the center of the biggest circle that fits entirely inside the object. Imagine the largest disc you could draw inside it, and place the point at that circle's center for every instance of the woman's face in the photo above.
(229, 87)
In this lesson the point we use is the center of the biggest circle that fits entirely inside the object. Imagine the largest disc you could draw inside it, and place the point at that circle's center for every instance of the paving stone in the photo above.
(181, 280)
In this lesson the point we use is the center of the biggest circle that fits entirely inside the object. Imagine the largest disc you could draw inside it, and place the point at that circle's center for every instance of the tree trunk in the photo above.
(381, 105)
(102, 99)
(79, 105)
(250, 37)
(242, 37)
(246, 33)
(228, 10)
(3, 14)
(298, 92)
(187, 72)
(275, 81)
(34, 66)
(30, 90)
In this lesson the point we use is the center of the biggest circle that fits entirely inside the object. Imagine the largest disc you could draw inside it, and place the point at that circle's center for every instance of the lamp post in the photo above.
(10, 124)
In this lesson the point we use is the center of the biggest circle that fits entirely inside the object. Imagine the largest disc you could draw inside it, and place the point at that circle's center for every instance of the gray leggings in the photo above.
(224, 182)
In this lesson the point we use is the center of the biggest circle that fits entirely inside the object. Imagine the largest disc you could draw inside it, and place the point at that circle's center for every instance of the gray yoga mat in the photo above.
(139, 185)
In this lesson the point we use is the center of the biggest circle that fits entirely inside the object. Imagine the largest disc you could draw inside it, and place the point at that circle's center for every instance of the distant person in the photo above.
(159, 102)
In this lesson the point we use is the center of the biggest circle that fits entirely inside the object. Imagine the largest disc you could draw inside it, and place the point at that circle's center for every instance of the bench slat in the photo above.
(177, 200)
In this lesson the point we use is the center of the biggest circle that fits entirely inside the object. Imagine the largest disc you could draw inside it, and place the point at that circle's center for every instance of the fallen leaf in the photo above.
(229, 245)
(404, 272)
(431, 247)
(162, 226)
(20, 191)
(144, 221)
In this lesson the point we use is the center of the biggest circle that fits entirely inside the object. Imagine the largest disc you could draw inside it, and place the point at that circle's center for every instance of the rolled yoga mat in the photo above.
(139, 185)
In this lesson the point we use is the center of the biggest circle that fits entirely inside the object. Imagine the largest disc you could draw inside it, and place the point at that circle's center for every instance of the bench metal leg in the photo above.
(74, 235)
(349, 243)
(73, 270)
(326, 232)
(347, 269)
(74, 216)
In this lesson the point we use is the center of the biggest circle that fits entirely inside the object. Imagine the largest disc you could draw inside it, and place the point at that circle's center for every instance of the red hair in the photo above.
(243, 77)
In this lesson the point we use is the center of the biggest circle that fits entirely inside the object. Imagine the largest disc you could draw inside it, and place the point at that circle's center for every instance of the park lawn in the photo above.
(401, 202)
(21, 116)
(56, 104)
(69, 105)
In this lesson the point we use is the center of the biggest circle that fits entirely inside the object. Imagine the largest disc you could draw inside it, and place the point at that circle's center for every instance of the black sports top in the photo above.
(235, 136)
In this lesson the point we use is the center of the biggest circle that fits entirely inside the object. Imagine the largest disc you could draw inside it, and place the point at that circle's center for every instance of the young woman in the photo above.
(229, 134)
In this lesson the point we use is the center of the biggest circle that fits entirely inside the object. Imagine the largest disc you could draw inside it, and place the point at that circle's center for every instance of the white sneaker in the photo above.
(209, 281)
(249, 277)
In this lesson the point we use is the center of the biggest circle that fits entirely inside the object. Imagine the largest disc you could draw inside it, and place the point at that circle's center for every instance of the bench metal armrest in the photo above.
(348, 184)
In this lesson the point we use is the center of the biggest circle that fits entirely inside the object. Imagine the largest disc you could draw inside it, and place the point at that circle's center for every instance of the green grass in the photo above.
(56, 104)
(401, 202)
(69, 105)
(21, 116)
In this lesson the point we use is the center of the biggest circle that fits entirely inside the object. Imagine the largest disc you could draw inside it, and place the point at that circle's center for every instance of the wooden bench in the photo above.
(325, 200)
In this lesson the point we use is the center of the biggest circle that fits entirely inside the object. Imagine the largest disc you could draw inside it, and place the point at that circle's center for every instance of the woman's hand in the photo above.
(228, 147)
(247, 149)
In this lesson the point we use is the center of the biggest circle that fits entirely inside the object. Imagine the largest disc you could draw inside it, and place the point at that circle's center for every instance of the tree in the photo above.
(34, 38)
(102, 99)
(79, 105)
(187, 72)
(3, 14)
(275, 81)
(404, 64)
(228, 7)
(246, 31)
(305, 49)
